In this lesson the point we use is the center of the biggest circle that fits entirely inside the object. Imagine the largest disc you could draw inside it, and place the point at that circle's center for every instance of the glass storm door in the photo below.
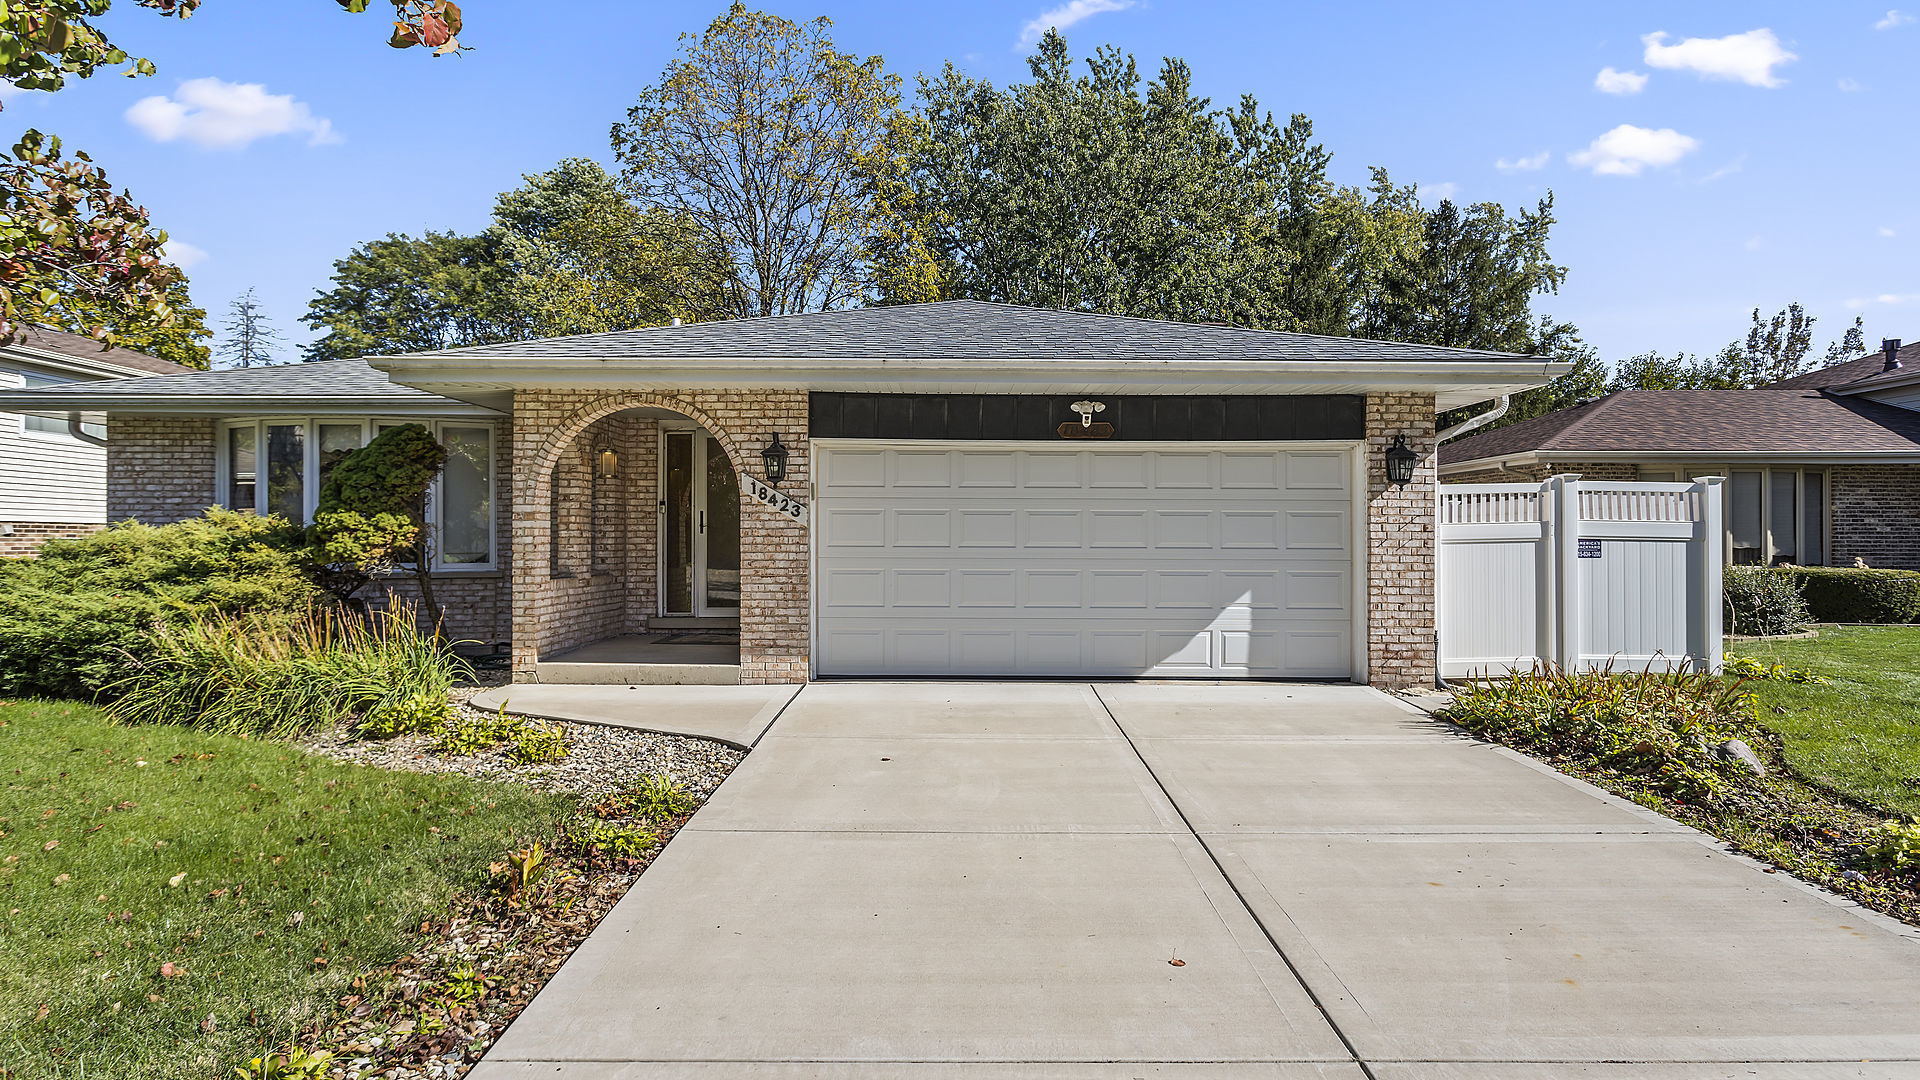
(700, 530)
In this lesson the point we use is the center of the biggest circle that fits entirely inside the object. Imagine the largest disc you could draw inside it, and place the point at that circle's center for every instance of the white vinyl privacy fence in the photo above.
(1579, 573)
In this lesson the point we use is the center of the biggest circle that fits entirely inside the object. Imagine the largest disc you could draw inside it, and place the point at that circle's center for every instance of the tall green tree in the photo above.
(407, 294)
(756, 134)
(250, 338)
(1471, 280)
(181, 340)
(581, 259)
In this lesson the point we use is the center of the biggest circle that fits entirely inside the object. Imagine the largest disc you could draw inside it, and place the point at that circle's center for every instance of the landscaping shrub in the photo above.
(533, 742)
(1664, 728)
(1857, 595)
(70, 619)
(405, 716)
(1895, 845)
(654, 798)
(1762, 602)
(241, 676)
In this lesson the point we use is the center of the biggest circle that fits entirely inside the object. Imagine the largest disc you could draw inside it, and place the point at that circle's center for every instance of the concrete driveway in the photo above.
(1064, 881)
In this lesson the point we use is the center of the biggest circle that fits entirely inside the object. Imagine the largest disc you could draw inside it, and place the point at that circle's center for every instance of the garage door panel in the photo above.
(1112, 561)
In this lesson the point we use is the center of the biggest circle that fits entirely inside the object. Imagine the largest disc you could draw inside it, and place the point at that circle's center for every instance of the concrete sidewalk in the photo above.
(976, 880)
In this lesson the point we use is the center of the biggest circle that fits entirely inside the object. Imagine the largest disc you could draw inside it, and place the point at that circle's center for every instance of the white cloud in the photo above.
(1886, 232)
(1437, 192)
(1524, 164)
(1610, 81)
(1724, 171)
(1755, 243)
(1749, 58)
(182, 254)
(1849, 86)
(1885, 300)
(218, 114)
(1066, 15)
(1627, 149)
(1893, 19)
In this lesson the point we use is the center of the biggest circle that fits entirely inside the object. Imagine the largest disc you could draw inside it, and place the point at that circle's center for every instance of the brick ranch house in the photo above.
(1822, 469)
(963, 488)
(53, 472)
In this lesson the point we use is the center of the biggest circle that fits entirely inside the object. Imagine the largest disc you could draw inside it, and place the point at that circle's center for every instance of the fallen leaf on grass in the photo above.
(174, 881)
(42, 1014)
(171, 970)
(50, 845)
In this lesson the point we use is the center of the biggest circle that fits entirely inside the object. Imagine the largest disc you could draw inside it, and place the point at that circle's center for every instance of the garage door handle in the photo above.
(703, 521)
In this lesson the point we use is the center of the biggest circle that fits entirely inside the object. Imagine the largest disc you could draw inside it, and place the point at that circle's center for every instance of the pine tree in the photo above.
(249, 338)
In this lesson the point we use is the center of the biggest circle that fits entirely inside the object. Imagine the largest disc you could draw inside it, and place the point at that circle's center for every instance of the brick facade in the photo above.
(1876, 515)
(558, 598)
(1400, 542)
(159, 468)
(21, 539)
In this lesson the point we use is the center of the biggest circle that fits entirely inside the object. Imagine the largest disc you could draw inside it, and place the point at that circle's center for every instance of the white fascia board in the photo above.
(63, 402)
(910, 375)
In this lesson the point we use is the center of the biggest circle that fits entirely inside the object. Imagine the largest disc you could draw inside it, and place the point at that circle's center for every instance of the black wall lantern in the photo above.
(1400, 462)
(775, 459)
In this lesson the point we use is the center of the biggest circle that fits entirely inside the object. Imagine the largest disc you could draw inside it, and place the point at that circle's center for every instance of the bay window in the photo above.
(278, 467)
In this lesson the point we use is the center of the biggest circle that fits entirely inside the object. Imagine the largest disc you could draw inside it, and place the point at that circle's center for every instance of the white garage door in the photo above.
(957, 559)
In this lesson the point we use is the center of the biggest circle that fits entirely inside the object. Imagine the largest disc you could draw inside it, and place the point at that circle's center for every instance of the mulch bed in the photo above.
(433, 1013)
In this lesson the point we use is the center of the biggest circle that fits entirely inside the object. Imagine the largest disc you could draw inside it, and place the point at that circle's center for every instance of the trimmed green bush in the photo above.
(1762, 602)
(72, 619)
(1850, 595)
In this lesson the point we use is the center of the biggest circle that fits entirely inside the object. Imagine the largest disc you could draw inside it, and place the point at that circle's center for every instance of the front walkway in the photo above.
(990, 880)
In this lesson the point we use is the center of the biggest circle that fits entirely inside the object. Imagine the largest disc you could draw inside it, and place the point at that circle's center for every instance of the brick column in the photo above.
(1400, 545)
(159, 468)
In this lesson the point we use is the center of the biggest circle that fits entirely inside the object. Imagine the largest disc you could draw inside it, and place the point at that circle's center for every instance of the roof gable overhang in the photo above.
(1455, 383)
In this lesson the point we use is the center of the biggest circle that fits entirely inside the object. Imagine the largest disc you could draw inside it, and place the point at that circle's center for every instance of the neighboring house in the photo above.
(962, 488)
(1821, 469)
(53, 469)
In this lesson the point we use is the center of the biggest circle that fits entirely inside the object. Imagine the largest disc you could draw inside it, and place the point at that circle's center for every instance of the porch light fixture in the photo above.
(1400, 462)
(775, 459)
(607, 462)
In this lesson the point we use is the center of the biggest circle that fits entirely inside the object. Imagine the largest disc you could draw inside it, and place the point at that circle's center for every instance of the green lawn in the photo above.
(268, 878)
(1860, 733)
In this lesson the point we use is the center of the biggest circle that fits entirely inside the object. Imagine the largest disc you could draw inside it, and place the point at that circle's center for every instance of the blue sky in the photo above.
(1739, 154)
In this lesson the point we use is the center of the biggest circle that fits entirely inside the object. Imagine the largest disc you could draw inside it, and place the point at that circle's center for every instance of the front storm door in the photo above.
(700, 526)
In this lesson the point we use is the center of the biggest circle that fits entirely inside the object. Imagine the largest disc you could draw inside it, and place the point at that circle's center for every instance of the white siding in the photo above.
(1906, 397)
(44, 476)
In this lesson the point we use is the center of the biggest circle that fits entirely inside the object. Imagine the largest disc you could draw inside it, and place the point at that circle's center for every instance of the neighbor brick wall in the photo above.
(1876, 515)
(159, 468)
(547, 614)
(1400, 545)
(19, 539)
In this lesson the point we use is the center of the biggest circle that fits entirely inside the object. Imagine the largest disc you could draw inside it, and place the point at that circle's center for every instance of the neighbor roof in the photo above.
(80, 347)
(959, 330)
(330, 384)
(1769, 420)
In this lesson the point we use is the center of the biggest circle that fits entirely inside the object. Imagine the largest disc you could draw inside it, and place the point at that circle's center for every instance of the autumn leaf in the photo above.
(50, 845)
(171, 970)
(174, 881)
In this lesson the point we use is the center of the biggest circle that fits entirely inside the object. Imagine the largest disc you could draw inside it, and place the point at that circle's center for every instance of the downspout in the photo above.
(1482, 420)
(74, 429)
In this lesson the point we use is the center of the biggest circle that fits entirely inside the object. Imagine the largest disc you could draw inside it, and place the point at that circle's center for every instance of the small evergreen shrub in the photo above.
(72, 619)
(1762, 602)
(1857, 595)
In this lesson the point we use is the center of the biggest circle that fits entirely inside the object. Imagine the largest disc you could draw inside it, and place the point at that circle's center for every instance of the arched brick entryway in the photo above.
(549, 425)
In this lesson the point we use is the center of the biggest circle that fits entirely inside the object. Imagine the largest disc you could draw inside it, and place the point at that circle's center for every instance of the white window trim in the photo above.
(310, 474)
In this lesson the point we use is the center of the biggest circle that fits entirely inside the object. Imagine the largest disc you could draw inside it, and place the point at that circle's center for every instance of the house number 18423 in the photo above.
(760, 491)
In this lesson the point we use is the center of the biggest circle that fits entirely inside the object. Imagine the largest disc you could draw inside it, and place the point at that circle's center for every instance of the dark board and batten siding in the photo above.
(1134, 419)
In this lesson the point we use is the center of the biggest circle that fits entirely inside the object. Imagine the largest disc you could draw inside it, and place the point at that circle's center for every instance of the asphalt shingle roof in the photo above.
(85, 348)
(1769, 420)
(1856, 370)
(961, 330)
(343, 378)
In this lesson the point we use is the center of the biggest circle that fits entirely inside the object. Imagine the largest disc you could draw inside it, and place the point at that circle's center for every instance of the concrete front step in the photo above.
(603, 674)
